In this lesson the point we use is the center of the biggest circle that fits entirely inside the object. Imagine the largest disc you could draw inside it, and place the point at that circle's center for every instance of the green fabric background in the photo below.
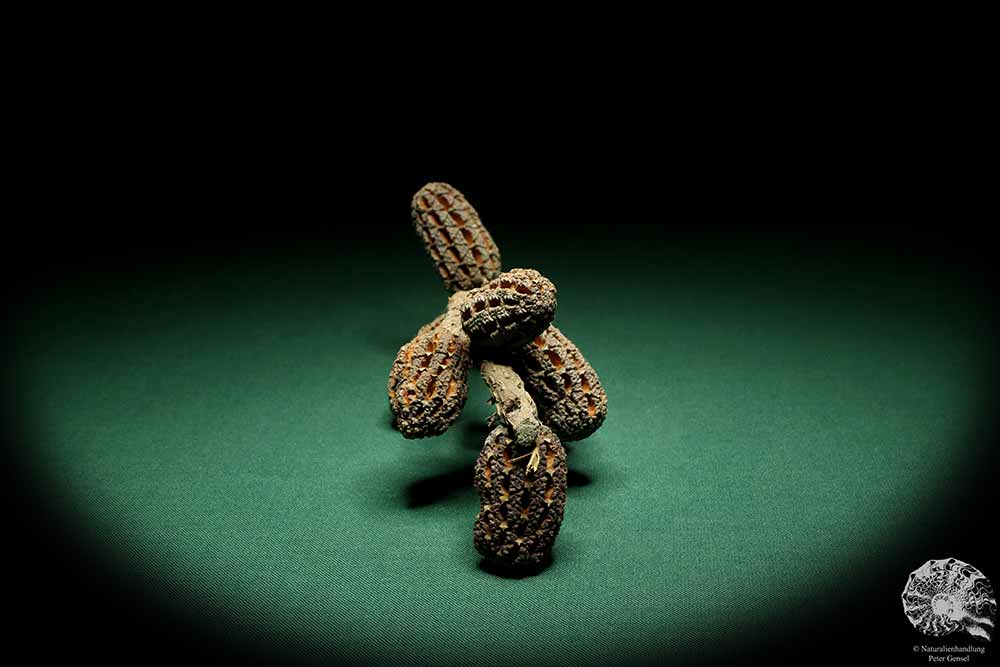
(223, 432)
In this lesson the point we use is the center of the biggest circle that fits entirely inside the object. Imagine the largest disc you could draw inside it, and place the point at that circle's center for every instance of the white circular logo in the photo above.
(945, 596)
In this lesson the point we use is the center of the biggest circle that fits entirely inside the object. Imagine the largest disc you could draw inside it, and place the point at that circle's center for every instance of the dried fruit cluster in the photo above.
(543, 388)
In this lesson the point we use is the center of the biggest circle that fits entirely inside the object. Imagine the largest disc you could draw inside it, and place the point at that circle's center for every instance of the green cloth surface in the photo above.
(223, 432)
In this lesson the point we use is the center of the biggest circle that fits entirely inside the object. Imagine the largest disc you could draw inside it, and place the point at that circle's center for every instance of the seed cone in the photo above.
(429, 379)
(521, 507)
(564, 385)
(462, 249)
(510, 310)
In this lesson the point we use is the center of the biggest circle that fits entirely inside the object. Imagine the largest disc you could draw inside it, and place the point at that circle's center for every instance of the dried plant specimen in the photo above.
(462, 249)
(428, 382)
(510, 310)
(565, 386)
(521, 506)
(543, 388)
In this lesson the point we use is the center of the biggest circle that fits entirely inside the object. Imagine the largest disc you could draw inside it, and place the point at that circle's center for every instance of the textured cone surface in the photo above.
(521, 511)
(565, 386)
(462, 249)
(510, 310)
(429, 379)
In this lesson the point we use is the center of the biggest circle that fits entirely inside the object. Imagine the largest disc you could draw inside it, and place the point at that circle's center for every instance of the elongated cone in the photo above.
(565, 386)
(429, 379)
(521, 507)
(462, 249)
(509, 310)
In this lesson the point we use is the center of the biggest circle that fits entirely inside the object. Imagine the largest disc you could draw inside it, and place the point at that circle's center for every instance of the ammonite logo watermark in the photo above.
(942, 597)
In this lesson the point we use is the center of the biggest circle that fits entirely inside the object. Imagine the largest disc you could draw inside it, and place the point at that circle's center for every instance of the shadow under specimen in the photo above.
(436, 488)
(506, 572)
